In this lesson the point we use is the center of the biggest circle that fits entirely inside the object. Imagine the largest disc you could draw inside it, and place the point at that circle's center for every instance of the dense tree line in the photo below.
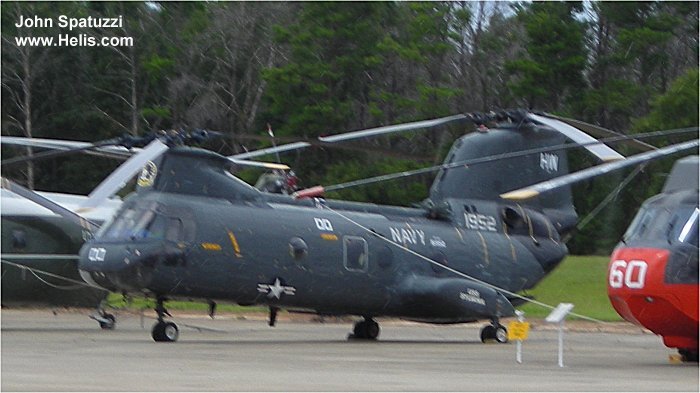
(308, 69)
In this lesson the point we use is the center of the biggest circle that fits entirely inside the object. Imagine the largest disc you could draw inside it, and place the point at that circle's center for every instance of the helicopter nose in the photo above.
(121, 267)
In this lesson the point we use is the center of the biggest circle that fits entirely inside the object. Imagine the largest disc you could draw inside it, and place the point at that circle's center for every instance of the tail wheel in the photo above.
(494, 333)
(488, 333)
(501, 334)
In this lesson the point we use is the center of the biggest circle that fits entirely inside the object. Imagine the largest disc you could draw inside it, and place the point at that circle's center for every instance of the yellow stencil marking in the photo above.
(234, 243)
(329, 236)
(486, 249)
(211, 246)
(459, 234)
(512, 247)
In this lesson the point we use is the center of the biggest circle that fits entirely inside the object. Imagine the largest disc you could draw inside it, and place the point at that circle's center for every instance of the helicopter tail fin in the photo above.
(490, 179)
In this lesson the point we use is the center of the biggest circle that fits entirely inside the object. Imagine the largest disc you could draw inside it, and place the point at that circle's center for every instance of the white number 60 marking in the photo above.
(632, 274)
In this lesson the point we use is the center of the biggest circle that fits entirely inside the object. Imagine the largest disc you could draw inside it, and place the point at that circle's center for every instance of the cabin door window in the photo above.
(355, 253)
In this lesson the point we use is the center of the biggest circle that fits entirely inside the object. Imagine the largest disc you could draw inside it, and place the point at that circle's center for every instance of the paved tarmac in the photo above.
(68, 352)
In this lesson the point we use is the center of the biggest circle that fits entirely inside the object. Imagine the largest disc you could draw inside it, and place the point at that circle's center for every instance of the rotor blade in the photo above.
(295, 143)
(319, 190)
(67, 147)
(604, 153)
(601, 132)
(58, 153)
(604, 203)
(537, 189)
(49, 204)
(117, 179)
(41, 142)
(259, 164)
(395, 128)
(270, 150)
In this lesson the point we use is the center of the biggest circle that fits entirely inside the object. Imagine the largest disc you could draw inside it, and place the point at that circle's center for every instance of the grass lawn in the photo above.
(117, 301)
(581, 280)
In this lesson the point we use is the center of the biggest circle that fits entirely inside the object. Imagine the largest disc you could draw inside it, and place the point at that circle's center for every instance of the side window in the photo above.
(355, 253)
(173, 231)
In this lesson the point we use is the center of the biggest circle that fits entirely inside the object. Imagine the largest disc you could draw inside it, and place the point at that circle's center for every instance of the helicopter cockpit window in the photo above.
(121, 226)
(689, 231)
(355, 253)
(144, 224)
(678, 224)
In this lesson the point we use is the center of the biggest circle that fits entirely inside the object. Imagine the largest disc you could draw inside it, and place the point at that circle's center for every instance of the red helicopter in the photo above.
(653, 271)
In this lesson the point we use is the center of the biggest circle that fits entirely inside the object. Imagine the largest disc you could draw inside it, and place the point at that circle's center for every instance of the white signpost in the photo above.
(558, 315)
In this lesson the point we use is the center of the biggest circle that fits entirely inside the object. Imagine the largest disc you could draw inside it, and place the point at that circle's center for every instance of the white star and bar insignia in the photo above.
(276, 289)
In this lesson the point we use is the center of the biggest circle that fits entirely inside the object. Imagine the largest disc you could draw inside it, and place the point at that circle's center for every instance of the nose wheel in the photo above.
(164, 331)
(494, 332)
(107, 321)
(368, 329)
(688, 355)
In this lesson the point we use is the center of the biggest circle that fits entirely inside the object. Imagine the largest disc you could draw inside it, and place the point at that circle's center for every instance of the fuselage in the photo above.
(193, 230)
(327, 257)
(653, 273)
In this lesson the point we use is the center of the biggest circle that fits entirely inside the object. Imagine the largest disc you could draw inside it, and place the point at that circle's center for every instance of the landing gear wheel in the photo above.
(366, 330)
(488, 333)
(496, 333)
(501, 334)
(371, 330)
(108, 323)
(165, 332)
(359, 330)
(688, 355)
(105, 320)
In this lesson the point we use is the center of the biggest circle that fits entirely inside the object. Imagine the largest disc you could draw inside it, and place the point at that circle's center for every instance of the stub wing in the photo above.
(440, 300)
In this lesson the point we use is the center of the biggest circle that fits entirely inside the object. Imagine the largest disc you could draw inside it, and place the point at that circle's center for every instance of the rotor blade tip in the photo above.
(519, 195)
(310, 192)
(277, 166)
(611, 158)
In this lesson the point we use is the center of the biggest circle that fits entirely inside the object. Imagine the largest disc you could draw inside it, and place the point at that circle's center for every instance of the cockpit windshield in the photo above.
(140, 223)
(679, 224)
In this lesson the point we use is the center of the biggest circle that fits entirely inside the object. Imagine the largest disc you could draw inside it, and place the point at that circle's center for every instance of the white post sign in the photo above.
(558, 315)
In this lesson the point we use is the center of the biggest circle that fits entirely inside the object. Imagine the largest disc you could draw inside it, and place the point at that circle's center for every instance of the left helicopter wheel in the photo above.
(165, 332)
(108, 322)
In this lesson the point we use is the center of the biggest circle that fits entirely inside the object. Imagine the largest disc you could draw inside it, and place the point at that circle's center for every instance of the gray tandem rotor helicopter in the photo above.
(192, 230)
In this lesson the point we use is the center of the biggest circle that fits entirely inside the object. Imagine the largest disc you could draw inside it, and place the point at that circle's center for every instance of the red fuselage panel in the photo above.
(639, 293)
